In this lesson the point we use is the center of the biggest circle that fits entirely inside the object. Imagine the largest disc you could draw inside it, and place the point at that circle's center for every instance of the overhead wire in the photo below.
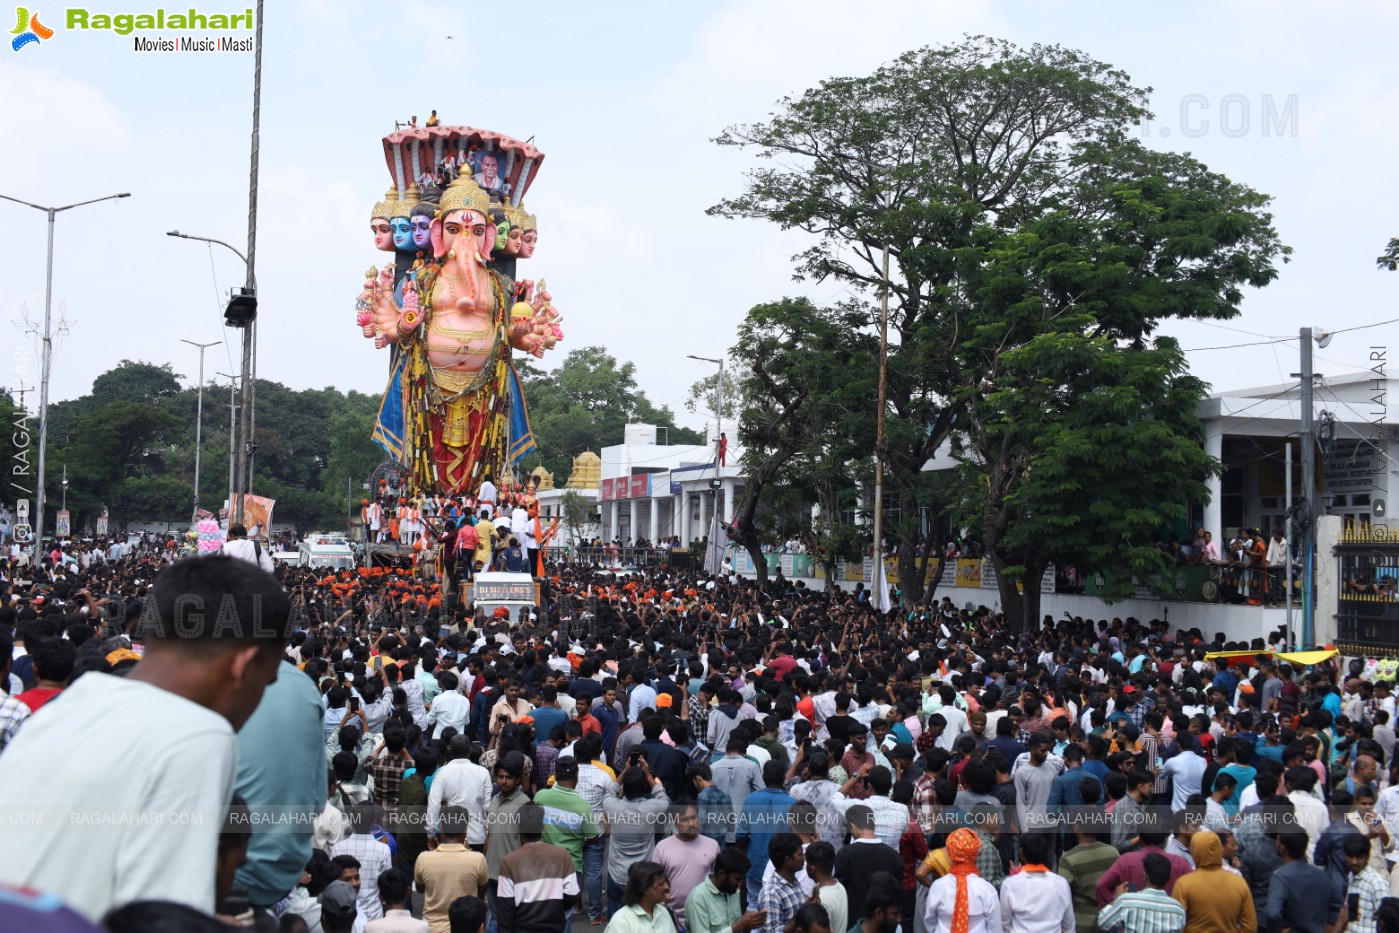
(1263, 343)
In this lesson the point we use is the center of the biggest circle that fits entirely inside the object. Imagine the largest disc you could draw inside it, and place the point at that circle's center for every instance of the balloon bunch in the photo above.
(210, 536)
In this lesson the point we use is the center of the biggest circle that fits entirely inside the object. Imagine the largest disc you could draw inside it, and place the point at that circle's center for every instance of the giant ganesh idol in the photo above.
(453, 411)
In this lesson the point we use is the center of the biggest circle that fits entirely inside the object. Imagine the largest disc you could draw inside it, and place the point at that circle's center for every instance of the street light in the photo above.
(232, 432)
(241, 312)
(712, 560)
(64, 506)
(47, 356)
(199, 419)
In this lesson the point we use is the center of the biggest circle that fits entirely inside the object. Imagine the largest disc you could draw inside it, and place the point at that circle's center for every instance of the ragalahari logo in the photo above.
(28, 30)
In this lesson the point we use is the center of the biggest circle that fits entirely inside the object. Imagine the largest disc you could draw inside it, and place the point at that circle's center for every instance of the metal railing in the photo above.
(608, 556)
(1367, 612)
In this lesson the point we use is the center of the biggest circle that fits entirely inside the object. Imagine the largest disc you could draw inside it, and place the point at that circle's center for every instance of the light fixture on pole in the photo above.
(64, 506)
(713, 561)
(198, 419)
(241, 312)
(46, 358)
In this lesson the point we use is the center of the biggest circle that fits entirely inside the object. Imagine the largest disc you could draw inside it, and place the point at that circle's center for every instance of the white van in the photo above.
(326, 552)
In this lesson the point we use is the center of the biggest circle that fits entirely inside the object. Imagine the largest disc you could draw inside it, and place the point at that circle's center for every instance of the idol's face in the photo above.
(422, 231)
(402, 233)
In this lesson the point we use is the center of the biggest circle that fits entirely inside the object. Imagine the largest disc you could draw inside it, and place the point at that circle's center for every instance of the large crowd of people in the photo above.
(194, 743)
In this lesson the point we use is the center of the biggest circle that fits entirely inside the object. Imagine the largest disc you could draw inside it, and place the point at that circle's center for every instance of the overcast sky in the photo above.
(623, 98)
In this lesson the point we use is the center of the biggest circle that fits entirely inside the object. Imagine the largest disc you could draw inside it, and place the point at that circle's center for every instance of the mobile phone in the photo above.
(634, 757)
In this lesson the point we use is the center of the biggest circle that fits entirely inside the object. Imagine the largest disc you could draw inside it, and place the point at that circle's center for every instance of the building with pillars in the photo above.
(658, 491)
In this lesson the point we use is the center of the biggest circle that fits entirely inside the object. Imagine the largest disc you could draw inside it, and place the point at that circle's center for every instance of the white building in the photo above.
(1247, 430)
(657, 491)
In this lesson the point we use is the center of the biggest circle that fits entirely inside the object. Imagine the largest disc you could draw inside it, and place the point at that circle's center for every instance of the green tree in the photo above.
(118, 442)
(353, 456)
(1081, 451)
(949, 155)
(578, 513)
(805, 389)
(1389, 259)
(584, 404)
(704, 398)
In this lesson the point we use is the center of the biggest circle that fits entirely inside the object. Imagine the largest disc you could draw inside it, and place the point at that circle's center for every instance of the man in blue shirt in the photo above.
(547, 714)
(643, 695)
(764, 815)
(281, 763)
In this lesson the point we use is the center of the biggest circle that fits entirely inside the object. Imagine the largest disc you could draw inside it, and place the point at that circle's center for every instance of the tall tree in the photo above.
(805, 388)
(947, 154)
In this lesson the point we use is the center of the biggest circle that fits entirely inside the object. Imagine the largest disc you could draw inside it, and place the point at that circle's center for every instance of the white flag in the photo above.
(881, 586)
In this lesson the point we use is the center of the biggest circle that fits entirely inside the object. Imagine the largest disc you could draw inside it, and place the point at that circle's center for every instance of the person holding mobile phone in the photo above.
(1365, 889)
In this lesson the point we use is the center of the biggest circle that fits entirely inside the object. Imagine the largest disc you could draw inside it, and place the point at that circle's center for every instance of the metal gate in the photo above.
(1368, 606)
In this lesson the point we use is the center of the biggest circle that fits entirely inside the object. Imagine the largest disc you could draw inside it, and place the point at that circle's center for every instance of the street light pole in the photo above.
(199, 419)
(242, 479)
(46, 356)
(878, 579)
(1315, 503)
(232, 435)
(716, 559)
(64, 506)
(250, 284)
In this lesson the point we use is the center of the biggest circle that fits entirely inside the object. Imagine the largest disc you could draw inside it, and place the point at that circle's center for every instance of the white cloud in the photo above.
(56, 127)
(751, 54)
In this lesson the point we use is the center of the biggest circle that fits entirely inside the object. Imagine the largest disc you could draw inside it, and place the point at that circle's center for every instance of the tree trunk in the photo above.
(1021, 609)
(937, 580)
(745, 532)
(1012, 602)
(910, 579)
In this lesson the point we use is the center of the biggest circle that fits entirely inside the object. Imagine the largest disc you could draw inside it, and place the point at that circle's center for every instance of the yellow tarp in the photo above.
(1309, 657)
(1291, 657)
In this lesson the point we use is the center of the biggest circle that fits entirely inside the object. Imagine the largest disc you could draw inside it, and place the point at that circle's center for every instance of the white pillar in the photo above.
(1214, 509)
(684, 500)
(615, 514)
(654, 504)
(1328, 586)
(703, 513)
(728, 501)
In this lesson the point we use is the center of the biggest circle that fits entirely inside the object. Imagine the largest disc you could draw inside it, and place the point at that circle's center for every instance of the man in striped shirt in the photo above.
(538, 884)
(1150, 910)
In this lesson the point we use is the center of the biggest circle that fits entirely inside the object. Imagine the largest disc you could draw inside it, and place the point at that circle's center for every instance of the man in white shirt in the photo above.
(955, 719)
(461, 783)
(373, 856)
(1036, 900)
(215, 630)
(240, 547)
(486, 498)
(450, 707)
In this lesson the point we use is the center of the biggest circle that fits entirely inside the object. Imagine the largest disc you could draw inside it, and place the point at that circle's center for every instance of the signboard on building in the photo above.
(968, 572)
(624, 487)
